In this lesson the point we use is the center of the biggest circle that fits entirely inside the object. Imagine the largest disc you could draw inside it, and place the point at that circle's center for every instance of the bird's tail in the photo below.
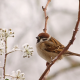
(68, 53)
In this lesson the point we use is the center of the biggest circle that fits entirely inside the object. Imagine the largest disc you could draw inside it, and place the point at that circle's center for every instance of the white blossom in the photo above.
(23, 75)
(13, 74)
(1, 47)
(17, 75)
(27, 50)
(9, 33)
(6, 33)
(1, 51)
(15, 47)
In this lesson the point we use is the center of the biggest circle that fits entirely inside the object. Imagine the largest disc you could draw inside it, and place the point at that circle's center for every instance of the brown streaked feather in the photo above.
(50, 47)
(56, 42)
(53, 45)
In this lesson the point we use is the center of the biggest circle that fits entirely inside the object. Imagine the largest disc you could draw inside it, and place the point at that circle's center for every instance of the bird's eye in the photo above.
(38, 39)
(44, 39)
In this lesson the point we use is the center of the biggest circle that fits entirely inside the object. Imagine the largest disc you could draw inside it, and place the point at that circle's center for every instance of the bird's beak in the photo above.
(37, 37)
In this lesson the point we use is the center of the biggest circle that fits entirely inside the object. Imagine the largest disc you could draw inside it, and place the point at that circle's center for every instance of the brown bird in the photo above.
(48, 47)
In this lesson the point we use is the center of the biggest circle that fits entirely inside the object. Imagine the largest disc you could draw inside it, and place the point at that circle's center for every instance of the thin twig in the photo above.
(66, 48)
(46, 17)
(10, 76)
(14, 51)
(5, 56)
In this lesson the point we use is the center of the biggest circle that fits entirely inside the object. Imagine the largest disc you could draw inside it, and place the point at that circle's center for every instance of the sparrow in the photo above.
(48, 47)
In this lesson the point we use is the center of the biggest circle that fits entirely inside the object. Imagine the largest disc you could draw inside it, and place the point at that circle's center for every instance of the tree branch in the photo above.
(5, 56)
(46, 17)
(66, 48)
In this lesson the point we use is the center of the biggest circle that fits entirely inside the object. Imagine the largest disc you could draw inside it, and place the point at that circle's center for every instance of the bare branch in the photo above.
(5, 56)
(14, 51)
(66, 48)
(46, 17)
(10, 76)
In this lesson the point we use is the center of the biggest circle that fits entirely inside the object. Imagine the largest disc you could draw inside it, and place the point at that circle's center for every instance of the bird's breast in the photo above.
(48, 56)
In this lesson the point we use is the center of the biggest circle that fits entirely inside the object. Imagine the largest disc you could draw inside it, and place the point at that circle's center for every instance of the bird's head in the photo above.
(42, 37)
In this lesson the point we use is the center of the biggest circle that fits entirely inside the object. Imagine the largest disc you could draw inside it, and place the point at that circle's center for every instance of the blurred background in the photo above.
(26, 19)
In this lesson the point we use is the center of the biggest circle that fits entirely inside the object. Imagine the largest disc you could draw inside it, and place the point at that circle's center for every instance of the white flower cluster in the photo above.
(27, 50)
(16, 75)
(6, 33)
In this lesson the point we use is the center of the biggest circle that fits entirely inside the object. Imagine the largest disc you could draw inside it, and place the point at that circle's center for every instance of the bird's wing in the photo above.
(52, 47)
